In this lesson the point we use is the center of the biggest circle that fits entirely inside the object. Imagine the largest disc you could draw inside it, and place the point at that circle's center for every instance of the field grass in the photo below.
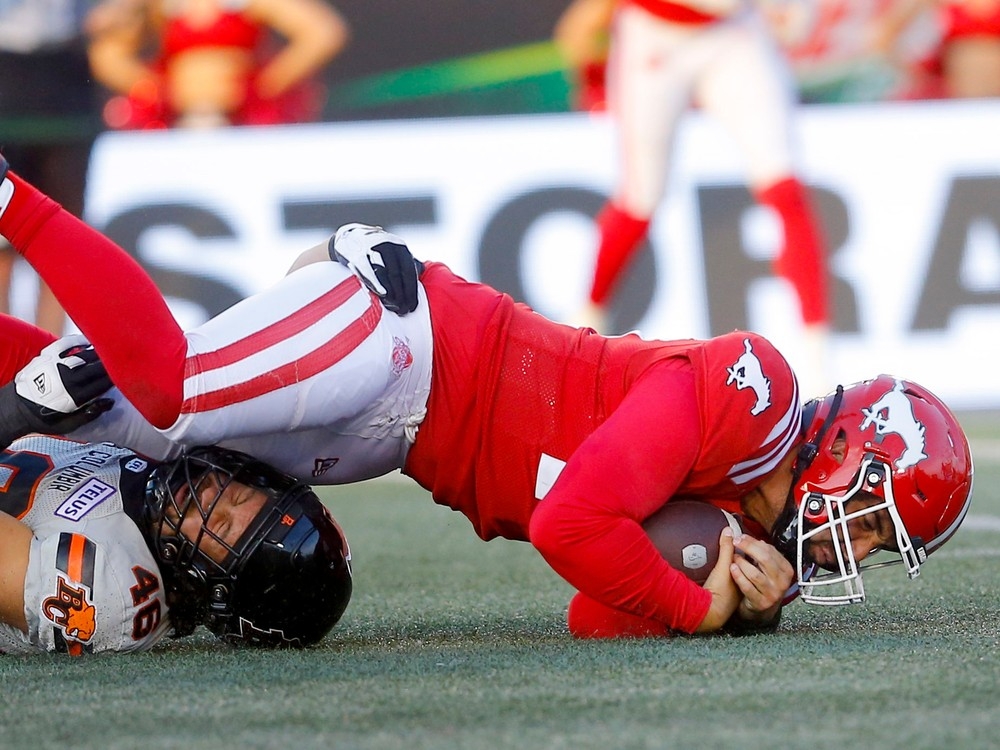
(453, 643)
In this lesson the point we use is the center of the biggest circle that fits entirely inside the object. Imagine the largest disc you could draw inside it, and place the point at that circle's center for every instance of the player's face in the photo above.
(232, 513)
(869, 533)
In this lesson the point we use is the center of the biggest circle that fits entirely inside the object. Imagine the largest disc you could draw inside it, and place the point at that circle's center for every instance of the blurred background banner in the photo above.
(447, 57)
(912, 220)
(453, 57)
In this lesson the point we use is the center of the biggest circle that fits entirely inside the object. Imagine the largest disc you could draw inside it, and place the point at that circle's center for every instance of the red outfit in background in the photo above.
(959, 22)
(146, 110)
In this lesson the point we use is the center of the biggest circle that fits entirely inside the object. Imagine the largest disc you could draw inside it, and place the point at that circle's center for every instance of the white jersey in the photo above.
(312, 376)
(732, 68)
(92, 584)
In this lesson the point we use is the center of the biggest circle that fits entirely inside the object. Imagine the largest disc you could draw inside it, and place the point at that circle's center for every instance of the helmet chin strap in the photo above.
(784, 533)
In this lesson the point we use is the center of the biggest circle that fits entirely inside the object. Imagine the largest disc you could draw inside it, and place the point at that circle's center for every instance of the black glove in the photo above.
(382, 261)
(56, 393)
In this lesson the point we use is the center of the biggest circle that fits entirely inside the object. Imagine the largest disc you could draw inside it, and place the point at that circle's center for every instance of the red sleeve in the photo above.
(588, 526)
(108, 295)
(589, 619)
(19, 343)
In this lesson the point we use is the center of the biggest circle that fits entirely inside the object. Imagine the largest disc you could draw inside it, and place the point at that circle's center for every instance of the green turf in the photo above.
(453, 643)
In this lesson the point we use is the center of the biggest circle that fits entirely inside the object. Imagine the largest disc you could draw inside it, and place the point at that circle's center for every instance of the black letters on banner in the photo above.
(730, 269)
(972, 200)
(502, 244)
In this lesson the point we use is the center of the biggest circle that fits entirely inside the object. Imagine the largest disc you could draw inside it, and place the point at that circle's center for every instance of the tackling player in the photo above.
(533, 430)
(102, 549)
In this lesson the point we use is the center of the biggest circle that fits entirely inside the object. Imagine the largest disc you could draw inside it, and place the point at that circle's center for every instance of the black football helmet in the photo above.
(285, 582)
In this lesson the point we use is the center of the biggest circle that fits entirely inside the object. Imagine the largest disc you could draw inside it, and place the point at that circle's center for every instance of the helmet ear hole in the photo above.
(838, 449)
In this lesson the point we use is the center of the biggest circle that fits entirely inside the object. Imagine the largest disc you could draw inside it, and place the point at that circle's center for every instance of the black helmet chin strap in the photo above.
(785, 530)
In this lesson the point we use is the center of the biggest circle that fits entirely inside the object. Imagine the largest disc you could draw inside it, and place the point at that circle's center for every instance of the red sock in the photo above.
(588, 618)
(108, 295)
(620, 238)
(802, 260)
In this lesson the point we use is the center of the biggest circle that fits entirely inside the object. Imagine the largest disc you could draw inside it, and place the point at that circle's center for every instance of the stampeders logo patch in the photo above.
(747, 372)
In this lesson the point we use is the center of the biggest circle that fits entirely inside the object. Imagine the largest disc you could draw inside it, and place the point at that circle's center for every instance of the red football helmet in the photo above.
(904, 448)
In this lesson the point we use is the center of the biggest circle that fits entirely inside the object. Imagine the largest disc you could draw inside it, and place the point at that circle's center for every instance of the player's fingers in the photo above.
(759, 596)
(726, 547)
(719, 579)
(726, 596)
(768, 560)
(750, 546)
(748, 577)
(756, 603)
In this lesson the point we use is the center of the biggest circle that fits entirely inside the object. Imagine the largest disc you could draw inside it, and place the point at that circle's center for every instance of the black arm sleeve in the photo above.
(20, 417)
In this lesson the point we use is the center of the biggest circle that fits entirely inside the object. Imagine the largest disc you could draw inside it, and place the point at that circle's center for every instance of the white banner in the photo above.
(910, 196)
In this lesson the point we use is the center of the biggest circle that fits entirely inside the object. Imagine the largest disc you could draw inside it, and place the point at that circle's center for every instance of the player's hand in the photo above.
(65, 376)
(763, 576)
(382, 261)
(726, 595)
(56, 393)
(60, 387)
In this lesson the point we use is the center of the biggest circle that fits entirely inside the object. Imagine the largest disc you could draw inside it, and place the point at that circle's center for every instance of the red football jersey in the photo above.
(526, 414)
(510, 386)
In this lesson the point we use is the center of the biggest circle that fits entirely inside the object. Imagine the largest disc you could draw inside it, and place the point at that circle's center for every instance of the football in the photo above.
(686, 533)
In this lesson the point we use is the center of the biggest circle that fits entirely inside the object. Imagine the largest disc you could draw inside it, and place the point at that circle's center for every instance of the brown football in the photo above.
(686, 533)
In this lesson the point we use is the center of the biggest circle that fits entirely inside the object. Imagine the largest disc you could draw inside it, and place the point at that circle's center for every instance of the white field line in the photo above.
(986, 450)
(981, 523)
(965, 554)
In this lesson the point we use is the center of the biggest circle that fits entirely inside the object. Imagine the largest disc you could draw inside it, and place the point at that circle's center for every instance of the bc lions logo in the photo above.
(893, 415)
(747, 373)
(70, 610)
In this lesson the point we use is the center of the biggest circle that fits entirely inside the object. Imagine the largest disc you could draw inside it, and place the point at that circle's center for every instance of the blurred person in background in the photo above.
(966, 62)
(828, 46)
(721, 55)
(49, 117)
(582, 35)
(206, 63)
